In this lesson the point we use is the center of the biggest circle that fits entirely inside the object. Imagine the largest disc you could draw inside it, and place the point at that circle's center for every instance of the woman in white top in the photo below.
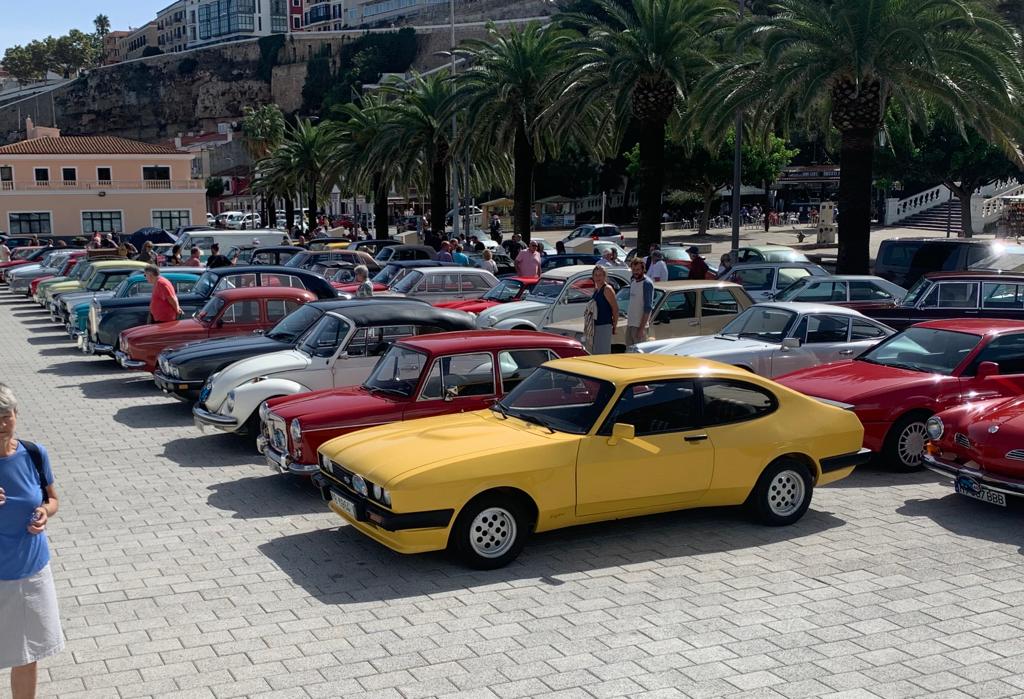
(489, 264)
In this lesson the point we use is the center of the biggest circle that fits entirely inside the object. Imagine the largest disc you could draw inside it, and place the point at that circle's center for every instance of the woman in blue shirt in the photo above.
(29, 620)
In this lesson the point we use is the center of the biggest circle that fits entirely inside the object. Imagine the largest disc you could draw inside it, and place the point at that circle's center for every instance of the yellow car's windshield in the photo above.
(557, 400)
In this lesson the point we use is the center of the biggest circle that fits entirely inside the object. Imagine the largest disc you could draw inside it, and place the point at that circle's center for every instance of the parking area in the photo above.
(186, 568)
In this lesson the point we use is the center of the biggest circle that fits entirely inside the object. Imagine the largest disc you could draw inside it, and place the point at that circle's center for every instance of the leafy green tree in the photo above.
(72, 52)
(850, 60)
(507, 94)
(214, 187)
(19, 62)
(763, 162)
(638, 60)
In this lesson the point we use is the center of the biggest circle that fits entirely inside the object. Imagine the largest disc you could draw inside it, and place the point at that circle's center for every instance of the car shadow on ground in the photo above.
(60, 352)
(37, 321)
(343, 566)
(876, 475)
(963, 516)
(124, 387)
(210, 450)
(30, 312)
(58, 339)
(88, 366)
(157, 415)
(273, 495)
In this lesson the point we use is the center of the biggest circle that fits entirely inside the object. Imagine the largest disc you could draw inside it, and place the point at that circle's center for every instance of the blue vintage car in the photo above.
(135, 285)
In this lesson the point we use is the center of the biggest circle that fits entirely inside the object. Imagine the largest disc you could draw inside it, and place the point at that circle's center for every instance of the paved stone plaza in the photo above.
(185, 568)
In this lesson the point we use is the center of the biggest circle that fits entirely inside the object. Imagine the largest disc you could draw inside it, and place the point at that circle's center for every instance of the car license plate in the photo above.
(346, 505)
(972, 489)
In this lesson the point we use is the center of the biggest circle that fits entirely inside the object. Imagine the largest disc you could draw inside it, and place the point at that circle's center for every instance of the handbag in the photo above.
(589, 315)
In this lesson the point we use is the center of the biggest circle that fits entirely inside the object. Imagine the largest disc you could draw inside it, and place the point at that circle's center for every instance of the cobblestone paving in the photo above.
(185, 568)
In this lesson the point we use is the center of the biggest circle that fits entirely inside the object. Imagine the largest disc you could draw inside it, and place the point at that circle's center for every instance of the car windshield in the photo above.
(397, 372)
(547, 290)
(388, 274)
(122, 289)
(95, 282)
(293, 325)
(79, 269)
(210, 310)
(764, 323)
(324, 338)
(928, 350)
(917, 292)
(206, 283)
(1007, 259)
(581, 232)
(503, 291)
(407, 283)
(557, 400)
(22, 254)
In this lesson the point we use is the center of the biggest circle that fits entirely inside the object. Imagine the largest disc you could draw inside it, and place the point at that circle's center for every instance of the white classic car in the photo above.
(561, 294)
(771, 339)
(339, 350)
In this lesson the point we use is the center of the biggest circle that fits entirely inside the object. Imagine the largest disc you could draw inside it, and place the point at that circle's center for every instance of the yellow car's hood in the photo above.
(385, 453)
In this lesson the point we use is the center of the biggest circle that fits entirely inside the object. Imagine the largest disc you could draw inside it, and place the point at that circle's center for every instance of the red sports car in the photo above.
(230, 312)
(979, 446)
(508, 289)
(418, 377)
(929, 367)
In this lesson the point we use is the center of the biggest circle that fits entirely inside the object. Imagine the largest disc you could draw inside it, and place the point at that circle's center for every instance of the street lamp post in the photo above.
(737, 168)
(454, 174)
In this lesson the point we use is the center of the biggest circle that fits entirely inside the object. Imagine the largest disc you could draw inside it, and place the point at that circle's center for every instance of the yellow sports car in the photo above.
(582, 440)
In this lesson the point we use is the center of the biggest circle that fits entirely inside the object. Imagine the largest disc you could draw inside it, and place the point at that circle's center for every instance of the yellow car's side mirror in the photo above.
(620, 431)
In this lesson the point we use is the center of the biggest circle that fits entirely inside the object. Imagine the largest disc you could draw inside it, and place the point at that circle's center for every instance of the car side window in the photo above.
(516, 365)
(235, 281)
(373, 342)
(725, 402)
(184, 286)
(863, 330)
(1001, 296)
(822, 329)
(755, 278)
(141, 289)
(273, 279)
(788, 275)
(678, 306)
(718, 302)
(953, 295)
(1007, 351)
(241, 312)
(279, 308)
(868, 291)
(822, 292)
(474, 282)
(655, 408)
(464, 375)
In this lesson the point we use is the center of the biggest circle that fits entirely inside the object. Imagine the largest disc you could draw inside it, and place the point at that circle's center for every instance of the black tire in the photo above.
(782, 494)
(476, 529)
(901, 439)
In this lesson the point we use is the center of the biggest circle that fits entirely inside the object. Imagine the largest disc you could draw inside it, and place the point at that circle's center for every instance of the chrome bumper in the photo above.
(1001, 484)
(204, 418)
(283, 463)
(127, 362)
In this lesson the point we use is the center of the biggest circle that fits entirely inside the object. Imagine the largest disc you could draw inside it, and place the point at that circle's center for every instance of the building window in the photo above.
(103, 176)
(296, 23)
(30, 224)
(42, 175)
(156, 177)
(6, 177)
(172, 219)
(69, 174)
(101, 222)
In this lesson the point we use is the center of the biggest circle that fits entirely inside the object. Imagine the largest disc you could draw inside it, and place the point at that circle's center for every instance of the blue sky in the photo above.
(24, 21)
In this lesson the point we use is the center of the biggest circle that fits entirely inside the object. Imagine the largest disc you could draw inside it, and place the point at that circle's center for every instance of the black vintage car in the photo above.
(942, 295)
(108, 318)
(183, 370)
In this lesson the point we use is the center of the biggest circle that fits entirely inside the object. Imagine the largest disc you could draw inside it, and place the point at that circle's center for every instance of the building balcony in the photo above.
(102, 186)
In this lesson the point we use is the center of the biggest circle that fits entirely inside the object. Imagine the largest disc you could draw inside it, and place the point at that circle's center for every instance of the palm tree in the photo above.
(357, 161)
(301, 162)
(640, 58)
(851, 59)
(418, 139)
(262, 132)
(507, 94)
(102, 25)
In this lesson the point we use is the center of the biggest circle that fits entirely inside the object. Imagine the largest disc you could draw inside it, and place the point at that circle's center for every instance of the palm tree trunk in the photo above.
(966, 222)
(767, 204)
(271, 205)
(522, 195)
(311, 203)
(438, 197)
(380, 207)
(652, 177)
(855, 160)
(289, 211)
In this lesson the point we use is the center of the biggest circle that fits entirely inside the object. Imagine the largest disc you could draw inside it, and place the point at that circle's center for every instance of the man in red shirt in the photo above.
(163, 306)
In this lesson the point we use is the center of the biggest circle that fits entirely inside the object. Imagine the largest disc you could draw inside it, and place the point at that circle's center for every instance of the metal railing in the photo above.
(103, 185)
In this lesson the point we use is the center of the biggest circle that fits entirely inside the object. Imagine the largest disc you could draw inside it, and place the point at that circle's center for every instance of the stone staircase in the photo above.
(935, 218)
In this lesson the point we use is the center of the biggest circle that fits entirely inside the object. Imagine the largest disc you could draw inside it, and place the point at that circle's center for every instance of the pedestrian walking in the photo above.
(365, 289)
(495, 229)
(163, 304)
(698, 266)
(601, 316)
(528, 261)
(29, 618)
(641, 303)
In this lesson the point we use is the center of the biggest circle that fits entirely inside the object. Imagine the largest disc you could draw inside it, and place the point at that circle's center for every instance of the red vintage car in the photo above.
(979, 446)
(508, 289)
(21, 256)
(418, 377)
(230, 312)
(929, 367)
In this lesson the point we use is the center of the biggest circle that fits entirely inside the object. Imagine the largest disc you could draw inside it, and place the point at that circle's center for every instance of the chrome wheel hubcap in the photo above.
(911, 444)
(492, 532)
(786, 493)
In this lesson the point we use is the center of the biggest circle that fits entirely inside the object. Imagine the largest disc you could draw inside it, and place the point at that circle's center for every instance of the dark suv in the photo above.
(904, 260)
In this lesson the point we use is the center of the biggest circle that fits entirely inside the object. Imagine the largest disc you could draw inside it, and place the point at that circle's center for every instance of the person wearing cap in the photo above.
(528, 261)
(698, 267)
(658, 270)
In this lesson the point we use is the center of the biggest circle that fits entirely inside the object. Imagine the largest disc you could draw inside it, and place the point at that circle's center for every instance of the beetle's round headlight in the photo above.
(295, 429)
(934, 428)
(230, 403)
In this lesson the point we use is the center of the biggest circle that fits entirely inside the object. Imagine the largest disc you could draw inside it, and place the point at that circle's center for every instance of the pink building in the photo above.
(69, 185)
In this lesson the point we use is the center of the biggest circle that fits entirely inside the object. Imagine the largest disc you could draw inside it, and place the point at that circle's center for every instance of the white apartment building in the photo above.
(217, 21)
(332, 15)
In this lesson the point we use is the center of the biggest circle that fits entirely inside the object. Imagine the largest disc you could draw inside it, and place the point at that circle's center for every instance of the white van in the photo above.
(227, 239)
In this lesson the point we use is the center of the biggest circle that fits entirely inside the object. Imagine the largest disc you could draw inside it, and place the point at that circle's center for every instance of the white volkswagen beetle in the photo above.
(771, 339)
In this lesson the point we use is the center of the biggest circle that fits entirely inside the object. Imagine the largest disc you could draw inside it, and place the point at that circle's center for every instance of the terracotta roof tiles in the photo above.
(85, 145)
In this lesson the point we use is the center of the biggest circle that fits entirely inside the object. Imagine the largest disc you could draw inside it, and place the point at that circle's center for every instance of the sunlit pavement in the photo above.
(185, 567)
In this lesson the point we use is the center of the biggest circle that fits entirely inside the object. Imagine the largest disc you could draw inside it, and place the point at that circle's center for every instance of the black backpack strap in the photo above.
(37, 461)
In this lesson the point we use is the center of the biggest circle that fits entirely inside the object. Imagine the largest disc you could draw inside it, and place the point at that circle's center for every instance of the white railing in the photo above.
(899, 209)
(998, 189)
(102, 185)
(985, 212)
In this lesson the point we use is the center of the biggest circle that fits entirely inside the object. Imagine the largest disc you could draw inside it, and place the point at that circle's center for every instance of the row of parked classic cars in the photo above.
(461, 411)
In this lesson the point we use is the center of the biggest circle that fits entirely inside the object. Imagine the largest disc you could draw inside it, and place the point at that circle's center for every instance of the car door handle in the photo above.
(846, 353)
(694, 322)
(696, 437)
